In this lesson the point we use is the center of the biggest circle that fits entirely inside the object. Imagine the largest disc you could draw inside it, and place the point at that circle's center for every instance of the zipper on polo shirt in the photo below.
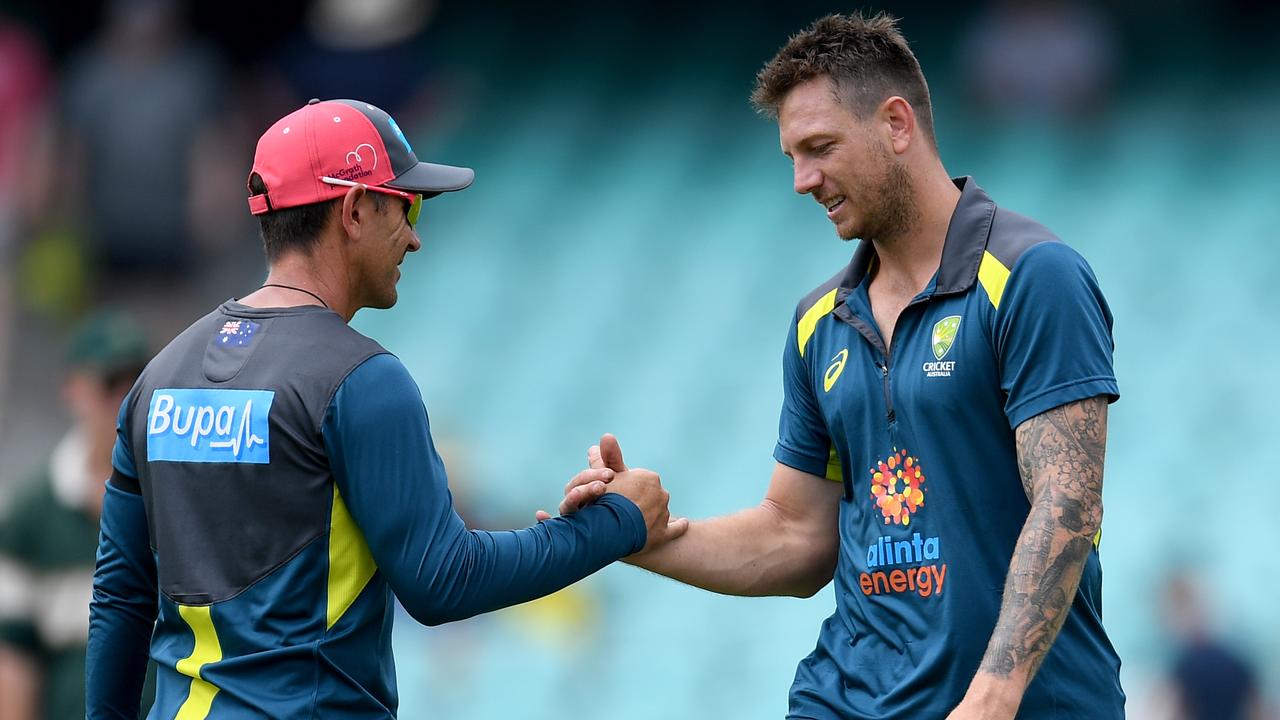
(872, 335)
(888, 396)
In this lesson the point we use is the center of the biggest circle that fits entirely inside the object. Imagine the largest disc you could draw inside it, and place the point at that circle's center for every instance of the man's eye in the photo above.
(824, 148)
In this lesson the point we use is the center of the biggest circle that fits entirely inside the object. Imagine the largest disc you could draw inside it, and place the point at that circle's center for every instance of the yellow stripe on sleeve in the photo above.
(350, 563)
(809, 321)
(993, 275)
(834, 472)
(207, 650)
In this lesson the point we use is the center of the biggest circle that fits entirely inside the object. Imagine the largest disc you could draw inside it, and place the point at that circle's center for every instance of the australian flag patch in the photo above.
(237, 333)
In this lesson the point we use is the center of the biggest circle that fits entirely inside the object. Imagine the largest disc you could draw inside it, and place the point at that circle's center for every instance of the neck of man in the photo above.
(909, 260)
(311, 272)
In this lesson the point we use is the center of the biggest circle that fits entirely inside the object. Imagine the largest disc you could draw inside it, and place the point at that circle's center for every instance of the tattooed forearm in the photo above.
(1060, 458)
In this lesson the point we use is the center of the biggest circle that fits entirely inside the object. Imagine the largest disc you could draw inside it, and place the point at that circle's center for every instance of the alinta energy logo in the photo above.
(900, 565)
(944, 336)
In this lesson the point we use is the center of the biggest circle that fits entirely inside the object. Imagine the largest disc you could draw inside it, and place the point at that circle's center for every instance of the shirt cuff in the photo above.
(1061, 395)
(800, 461)
(631, 517)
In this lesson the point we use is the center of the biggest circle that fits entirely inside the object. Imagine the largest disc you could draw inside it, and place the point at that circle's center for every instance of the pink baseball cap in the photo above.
(345, 140)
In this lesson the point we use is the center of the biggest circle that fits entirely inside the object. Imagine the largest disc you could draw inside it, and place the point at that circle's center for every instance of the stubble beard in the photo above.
(894, 212)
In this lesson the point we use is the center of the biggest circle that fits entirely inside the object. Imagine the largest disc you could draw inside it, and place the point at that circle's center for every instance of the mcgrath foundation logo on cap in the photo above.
(361, 161)
(357, 156)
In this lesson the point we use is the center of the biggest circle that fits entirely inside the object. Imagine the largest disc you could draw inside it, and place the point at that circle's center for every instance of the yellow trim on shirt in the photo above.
(207, 650)
(809, 321)
(834, 472)
(350, 563)
(993, 275)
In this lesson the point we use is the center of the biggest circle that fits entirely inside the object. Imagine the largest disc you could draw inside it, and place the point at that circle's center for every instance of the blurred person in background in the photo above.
(378, 49)
(142, 155)
(375, 47)
(281, 466)
(25, 86)
(1209, 679)
(1040, 59)
(50, 532)
(943, 427)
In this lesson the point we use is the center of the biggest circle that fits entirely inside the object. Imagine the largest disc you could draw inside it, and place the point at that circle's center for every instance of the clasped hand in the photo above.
(609, 474)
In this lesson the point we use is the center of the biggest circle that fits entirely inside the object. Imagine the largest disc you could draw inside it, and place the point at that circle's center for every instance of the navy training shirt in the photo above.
(921, 435)
(274, 484)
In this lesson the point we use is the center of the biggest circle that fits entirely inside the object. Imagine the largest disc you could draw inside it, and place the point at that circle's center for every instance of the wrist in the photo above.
(998, 696)
(631, 518)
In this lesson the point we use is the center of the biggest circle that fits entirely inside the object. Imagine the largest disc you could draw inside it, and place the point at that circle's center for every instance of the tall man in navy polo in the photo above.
(941, 445)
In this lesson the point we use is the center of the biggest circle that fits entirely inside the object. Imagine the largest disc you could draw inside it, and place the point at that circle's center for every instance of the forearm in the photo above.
(394, 484)
(754, 552)
(1041, 585)
(1060, 456)
(468, 573)
(123, 610)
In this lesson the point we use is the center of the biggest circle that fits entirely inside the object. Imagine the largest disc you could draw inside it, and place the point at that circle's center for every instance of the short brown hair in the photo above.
(297, 228)
(867, 59)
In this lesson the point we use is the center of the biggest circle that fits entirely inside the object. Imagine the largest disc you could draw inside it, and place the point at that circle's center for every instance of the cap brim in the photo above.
(433, 179)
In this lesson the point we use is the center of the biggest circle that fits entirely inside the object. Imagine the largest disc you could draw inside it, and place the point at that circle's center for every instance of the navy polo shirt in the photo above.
(921, 435)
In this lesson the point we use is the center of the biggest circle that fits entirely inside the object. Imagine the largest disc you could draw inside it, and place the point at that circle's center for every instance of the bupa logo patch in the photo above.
(205, 425)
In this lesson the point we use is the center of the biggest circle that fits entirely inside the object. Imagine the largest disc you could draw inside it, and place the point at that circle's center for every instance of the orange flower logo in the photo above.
(897, 487)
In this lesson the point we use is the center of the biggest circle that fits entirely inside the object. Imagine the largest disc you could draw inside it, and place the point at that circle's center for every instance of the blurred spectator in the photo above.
(50, 534)
(24, 91)
(376, 49)
(372, 48)
(1041, 58)
(1209, 680)
(141, 122)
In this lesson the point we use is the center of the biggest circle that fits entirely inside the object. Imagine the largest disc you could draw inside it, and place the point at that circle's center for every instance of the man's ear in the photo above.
(899, 119)
(352, 220)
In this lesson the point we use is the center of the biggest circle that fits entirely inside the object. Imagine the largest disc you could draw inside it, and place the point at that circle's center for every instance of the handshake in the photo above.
(609, 474)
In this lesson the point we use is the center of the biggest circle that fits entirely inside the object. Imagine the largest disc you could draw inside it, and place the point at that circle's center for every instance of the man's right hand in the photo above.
(644, 488)
(647, 489)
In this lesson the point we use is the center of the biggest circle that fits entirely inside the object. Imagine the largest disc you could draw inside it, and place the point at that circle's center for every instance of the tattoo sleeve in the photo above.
(1060, 458)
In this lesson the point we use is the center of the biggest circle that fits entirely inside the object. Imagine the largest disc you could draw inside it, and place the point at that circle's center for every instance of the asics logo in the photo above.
(834, 369)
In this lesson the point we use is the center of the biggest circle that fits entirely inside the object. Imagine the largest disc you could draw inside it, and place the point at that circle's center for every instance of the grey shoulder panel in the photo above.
(1012, 235)
(815, 296)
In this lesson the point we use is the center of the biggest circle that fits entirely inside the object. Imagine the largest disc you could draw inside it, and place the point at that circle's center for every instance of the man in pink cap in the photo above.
(274, 480)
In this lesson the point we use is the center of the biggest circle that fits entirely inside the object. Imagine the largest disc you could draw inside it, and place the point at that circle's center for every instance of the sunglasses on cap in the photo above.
(415, 199)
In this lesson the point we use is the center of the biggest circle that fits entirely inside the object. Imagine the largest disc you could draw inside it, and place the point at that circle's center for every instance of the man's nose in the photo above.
(807, 178)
